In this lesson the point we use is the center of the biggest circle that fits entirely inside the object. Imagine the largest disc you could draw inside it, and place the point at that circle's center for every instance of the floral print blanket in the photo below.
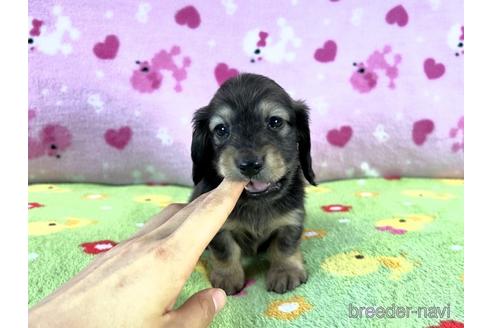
(392, 244)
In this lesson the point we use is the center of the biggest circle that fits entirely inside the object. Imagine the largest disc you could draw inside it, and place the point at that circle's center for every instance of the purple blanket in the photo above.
(113, 84)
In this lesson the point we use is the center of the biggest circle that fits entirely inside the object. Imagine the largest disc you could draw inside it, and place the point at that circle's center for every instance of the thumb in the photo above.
(199, 310)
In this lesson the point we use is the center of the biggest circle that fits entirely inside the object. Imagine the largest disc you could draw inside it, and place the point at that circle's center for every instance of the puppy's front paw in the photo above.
(284, 279)
(231, 281)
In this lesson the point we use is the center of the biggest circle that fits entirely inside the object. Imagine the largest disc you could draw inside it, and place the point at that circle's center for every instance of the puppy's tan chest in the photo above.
(255, 230)
(251, 233)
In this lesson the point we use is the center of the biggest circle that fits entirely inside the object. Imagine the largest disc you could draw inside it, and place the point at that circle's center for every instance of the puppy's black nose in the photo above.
(250, 167)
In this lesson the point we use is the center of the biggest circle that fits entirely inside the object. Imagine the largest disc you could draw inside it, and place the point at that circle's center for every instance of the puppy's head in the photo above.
(252, 130)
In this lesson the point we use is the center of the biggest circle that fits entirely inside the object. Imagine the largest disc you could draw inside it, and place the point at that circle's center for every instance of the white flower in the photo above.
(164, 137)
(95, 101)
(380, 134)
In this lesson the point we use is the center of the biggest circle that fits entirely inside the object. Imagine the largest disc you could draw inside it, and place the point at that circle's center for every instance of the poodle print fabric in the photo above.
(113, 84)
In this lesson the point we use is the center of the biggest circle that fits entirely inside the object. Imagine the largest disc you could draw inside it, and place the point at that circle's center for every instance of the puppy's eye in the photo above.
(275, 122)
(221, 130)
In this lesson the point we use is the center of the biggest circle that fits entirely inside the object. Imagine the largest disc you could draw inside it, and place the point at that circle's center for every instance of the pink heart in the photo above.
(433, 70)
(107, 49)
(223, 73)
(421, 129)
(188, 16)
(339, 137)
(397, 15)
(118, 138)
(327, 53)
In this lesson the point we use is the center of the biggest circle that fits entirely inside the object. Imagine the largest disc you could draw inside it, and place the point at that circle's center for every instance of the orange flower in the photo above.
(310, 233)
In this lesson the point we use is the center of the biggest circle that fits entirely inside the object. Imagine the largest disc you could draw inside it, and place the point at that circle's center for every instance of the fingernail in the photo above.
(219, 297)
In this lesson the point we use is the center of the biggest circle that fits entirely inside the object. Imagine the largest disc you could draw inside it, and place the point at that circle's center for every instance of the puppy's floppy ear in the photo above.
(201, 145)
(304, 140)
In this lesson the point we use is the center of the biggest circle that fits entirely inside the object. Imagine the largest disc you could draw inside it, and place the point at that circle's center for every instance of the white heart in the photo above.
(288, 307)
(94, 196)
(33, 256)
(356, 18)
(456, 248)
(103, 246)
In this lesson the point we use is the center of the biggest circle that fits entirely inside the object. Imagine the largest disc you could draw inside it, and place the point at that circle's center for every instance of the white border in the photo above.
(478, 214)
(478, 150)
(13, 134)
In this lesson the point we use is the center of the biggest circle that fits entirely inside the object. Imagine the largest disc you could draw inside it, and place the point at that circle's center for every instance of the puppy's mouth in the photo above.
(257, 188)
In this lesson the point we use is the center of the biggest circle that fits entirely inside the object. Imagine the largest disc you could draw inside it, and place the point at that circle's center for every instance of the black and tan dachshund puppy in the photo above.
(253, 130)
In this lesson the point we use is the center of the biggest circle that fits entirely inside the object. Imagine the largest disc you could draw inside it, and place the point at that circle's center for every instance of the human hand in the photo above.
(136, 283)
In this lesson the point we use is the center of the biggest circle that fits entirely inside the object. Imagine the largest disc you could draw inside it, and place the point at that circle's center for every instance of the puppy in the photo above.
(253, 130)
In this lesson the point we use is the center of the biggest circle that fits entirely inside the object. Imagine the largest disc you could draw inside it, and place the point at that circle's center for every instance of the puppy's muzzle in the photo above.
(249, 166)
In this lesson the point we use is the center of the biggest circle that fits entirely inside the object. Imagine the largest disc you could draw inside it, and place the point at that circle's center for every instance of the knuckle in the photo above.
(138, 244)
(162, 253)
(207, 308)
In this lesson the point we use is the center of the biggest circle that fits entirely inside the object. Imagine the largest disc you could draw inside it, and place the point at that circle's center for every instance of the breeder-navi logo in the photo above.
(395, 311)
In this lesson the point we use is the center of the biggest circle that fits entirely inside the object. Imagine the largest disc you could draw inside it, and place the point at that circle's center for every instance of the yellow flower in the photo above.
(317, 189)
(398, 266)
(46, 188)
(355, 263)
(39, 228)
(409, 222)
(428, 194)
(159, 200)
(288, 309)
(453, 182)
(201, 267)
(351, 264)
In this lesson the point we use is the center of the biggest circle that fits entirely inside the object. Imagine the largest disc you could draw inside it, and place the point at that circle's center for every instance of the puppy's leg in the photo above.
(227, 272)
(286, 263)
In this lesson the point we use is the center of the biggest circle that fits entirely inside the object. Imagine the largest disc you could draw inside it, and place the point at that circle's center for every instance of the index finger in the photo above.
(207, 217)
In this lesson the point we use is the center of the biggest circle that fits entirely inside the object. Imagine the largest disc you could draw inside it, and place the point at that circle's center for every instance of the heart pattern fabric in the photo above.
(107, 49)
(433, 70)
(118, 138)
(397, 15)
(188, 16)
(327, 53)
(223, 73)
(339, 137)
(113, 88)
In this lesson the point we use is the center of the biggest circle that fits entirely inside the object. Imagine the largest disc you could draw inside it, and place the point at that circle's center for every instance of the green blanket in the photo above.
(394, 247)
